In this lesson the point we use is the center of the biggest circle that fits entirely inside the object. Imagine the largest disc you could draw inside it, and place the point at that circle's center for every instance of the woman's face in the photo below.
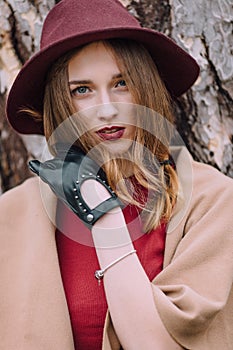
(97, 86)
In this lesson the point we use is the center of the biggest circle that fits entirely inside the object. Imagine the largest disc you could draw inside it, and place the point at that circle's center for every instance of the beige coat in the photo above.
(193, 293)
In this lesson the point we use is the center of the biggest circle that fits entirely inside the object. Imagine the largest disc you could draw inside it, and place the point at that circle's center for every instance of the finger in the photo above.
(94, 193)
(34, 165)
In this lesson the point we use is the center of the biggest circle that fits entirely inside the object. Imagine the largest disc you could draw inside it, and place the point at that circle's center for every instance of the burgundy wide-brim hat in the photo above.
(73, 23)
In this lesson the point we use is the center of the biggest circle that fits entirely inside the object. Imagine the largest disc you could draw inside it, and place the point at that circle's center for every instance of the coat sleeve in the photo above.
(33, 309)
(192, 293)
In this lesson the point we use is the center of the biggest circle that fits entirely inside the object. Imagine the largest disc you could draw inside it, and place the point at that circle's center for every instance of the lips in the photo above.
(111, 133)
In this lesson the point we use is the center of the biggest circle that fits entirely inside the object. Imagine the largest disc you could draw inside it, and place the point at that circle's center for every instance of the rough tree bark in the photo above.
(204, 114)
(204, 28)
(20, 28)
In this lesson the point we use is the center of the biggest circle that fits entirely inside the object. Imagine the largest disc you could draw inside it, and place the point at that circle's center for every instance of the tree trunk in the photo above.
(204, 114)
(20, 28)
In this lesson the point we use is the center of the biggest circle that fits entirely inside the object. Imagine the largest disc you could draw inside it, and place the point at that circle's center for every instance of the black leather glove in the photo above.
(65, 174)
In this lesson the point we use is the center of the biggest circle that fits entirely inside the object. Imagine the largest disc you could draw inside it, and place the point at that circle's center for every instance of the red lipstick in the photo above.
(111, 133)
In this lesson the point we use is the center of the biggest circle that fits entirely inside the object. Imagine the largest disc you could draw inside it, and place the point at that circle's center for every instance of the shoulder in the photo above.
(207, 177)
(25, 204)
(21, 193)
(197, 175)
(210, 186)
(15, 203)
(211, 197)
(204, 192)
(203, 213)
(24, 189)
(31, 198)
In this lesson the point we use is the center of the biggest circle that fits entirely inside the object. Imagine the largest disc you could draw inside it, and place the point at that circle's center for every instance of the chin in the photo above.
(118, 148)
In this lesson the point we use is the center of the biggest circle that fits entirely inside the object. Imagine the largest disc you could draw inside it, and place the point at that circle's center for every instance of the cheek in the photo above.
(132, 131)
(86, 117)
(132, 121)
(78, 105)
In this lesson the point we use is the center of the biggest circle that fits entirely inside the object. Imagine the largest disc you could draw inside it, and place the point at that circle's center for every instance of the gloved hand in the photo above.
(65, 174)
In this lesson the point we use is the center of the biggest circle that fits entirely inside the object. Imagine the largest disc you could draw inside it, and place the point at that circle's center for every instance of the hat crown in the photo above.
(84, 17)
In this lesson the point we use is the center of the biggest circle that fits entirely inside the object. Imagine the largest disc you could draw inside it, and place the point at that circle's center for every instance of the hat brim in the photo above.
(177, 68)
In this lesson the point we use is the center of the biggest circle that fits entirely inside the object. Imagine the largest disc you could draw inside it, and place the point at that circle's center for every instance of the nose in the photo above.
(107, 111)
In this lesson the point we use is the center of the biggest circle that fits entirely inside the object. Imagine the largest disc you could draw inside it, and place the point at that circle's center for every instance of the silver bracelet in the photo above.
(99, 274)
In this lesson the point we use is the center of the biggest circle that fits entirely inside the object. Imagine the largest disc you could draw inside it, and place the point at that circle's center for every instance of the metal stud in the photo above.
(80, 204)
(77, 182)
(76, 197)
(83, 176)
(75, 189)
(90, 217)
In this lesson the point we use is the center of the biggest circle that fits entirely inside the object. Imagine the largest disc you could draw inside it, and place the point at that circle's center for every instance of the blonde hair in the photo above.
(148, 151)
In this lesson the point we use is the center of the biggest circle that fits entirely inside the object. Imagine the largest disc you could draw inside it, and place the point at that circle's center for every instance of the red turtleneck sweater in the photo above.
(78, 262)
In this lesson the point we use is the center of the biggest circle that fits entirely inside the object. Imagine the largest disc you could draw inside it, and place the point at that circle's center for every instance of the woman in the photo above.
(165, 275)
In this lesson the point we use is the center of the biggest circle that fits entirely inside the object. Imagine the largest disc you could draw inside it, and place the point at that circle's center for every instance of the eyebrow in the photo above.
(86, 82)
(78, 82)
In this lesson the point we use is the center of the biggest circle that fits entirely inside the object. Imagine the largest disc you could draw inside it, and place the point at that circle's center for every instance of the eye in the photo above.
(121, 83)
(80, 90)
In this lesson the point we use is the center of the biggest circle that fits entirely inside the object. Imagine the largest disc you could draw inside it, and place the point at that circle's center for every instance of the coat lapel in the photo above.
(175, 229)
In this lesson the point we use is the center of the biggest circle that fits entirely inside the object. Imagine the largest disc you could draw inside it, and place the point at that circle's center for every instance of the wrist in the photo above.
(99, 274)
